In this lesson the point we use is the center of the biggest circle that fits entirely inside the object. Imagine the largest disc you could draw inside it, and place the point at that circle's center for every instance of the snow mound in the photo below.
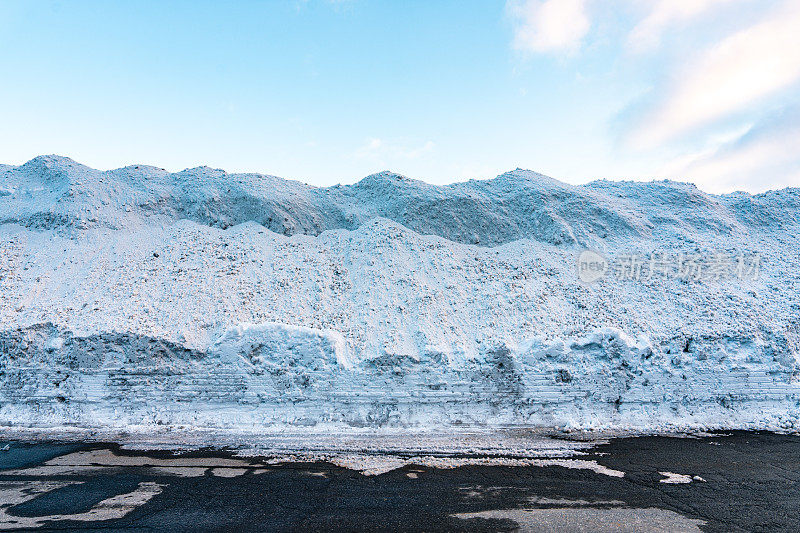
(242, 302)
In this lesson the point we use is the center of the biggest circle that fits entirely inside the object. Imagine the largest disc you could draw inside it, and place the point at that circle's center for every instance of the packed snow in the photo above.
(136, 298)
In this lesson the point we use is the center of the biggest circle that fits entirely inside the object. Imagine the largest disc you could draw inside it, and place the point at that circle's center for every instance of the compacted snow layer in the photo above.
(136, 297)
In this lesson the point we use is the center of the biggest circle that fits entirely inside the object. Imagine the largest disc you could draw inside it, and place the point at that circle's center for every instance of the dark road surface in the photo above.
(737, 482)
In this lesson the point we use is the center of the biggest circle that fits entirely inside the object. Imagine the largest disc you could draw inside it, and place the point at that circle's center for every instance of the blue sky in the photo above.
(330, 91)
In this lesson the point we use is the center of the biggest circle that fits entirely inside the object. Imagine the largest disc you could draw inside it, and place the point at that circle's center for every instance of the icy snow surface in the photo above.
(247, 303)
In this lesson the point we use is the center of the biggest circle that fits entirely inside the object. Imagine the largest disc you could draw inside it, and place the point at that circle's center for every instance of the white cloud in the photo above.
(548, 25)
(664, 14)
(380, 149)
(728, 77)
(766, 156)
(371, 146)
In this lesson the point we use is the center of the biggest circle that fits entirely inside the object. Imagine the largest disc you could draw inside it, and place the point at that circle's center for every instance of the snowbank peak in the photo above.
(387, 179)
(524, 174)
(53, 168)
(52, 161)
(203, 172)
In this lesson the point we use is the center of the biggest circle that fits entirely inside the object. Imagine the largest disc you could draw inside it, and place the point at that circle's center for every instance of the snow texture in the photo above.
(201, 299)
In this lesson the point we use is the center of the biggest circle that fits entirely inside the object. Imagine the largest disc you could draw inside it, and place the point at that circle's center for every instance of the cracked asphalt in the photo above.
(741, 481)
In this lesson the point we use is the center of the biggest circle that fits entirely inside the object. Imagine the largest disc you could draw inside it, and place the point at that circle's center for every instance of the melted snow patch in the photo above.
(372, 465)
(596, 519)
(17, 492)
(672, 478)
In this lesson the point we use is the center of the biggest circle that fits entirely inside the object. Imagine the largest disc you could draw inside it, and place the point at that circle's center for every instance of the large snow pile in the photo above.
(139, 297)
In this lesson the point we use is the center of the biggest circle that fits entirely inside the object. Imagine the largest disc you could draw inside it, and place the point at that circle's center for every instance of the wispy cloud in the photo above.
(381, 149)
(549, 26)
(726, 78)
(767, 154)
(664, 14)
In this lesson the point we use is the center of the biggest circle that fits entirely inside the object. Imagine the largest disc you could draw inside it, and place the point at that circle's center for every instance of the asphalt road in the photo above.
(737, 482)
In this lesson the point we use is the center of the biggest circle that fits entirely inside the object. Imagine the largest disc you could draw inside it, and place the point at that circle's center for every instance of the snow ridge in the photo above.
(53, 192)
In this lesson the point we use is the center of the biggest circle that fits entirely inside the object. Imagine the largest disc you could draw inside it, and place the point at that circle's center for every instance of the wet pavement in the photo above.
(734, 482)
